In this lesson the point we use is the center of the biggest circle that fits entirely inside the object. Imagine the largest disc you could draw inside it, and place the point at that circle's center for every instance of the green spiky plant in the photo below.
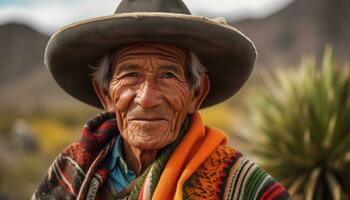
(300, 123)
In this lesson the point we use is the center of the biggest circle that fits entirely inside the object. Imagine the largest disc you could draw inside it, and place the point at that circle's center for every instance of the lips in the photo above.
(138, 114)
(147, 118)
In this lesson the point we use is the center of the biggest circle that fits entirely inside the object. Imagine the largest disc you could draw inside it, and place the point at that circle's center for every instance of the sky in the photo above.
(48, 15)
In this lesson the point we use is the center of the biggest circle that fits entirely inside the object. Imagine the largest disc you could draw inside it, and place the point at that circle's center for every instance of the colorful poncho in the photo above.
(198, 165)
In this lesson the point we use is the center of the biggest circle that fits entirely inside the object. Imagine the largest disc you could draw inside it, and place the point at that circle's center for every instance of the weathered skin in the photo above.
(150, 94)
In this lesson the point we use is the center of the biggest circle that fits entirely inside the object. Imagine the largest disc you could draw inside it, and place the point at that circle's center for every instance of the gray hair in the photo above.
(103, 70)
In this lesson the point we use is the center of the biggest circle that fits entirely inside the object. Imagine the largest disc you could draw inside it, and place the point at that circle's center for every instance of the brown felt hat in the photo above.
(226, 53)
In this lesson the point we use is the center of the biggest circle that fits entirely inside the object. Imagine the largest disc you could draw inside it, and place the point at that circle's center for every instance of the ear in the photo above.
(200, 94)
(104, 98)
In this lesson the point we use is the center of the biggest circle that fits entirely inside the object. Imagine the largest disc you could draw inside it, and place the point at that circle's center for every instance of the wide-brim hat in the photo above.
(226, 53)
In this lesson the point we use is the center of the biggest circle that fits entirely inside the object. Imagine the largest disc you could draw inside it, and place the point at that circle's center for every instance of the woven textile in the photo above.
(78, 170)
(226, 174)
(198, 165)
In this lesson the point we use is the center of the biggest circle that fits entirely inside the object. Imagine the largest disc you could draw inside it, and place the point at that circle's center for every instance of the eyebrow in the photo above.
(170, 68)
(127, 66)
(170, 58)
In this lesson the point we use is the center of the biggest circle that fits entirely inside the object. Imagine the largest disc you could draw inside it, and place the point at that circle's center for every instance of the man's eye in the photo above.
(132, 75)
(168, 75)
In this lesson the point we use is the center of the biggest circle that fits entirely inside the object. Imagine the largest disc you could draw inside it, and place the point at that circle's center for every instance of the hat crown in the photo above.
(170, 6)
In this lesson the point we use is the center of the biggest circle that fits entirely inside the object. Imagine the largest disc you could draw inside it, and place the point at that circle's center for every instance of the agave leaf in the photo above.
(347, 156)
(296, 185)
(330, 132)
(334, 186)
(303, 117)
(327, 66)
(311, 185)
(342, 148)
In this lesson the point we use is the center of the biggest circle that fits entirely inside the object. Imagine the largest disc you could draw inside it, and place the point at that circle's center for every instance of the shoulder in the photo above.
(233, 176)
(63, 176)
(245, 179)
(76, 155)
(67, 173)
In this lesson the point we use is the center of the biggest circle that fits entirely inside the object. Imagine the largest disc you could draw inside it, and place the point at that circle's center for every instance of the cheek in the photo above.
(178, 97)
(125, 98)
(121, 96)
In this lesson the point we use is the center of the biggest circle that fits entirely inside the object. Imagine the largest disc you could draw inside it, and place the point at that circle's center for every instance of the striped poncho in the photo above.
(198, 165)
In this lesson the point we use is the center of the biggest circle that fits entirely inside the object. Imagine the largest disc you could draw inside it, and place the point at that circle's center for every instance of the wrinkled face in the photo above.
(150, 94)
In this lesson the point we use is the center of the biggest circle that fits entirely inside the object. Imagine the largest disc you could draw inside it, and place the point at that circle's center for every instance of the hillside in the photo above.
(303, 27)
(25, 83)
(21, 53)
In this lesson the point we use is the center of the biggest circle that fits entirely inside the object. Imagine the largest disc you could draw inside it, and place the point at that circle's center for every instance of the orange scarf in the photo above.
(196, 146)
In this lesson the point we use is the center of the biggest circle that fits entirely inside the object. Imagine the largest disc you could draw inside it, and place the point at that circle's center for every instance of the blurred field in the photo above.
(28, 146)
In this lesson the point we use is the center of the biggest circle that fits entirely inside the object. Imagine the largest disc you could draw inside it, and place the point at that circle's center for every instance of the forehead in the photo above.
(148, 49)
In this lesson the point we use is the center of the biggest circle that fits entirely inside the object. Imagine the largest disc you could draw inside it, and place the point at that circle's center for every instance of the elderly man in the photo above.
(151, 66)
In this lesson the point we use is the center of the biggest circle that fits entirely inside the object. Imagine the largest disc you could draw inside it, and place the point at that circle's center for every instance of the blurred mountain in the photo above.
(25, 83)
(22, 51)
(303, 27)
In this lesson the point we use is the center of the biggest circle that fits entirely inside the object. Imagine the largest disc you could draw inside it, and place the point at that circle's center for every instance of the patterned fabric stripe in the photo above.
(93, 143)
(239, 178)
(73, 169)
(281, 195)
(254, 182)
(273, 187)
(79, 169)
(244, 184)
(272, 190)
(63, 179)
(248, 181)
(95, 183)
(80, 156)
(147, 184)
(261, 186)
(232, 173)
(71, 173)
(235, 177)
(140, 194)
(100, 179)
(242, 178)
(55, 179)
(275, 193)
(91, 172)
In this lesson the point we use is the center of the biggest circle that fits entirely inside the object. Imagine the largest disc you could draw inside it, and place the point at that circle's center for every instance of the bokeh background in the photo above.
(295, 106)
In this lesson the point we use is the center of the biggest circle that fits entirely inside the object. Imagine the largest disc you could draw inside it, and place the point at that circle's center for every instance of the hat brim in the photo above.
(226, 53)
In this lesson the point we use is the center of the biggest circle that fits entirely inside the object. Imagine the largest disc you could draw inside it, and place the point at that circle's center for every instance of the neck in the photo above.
(138, 159)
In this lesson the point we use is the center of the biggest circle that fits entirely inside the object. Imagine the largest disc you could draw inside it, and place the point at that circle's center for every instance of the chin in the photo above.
(149, 136)
(152, 144)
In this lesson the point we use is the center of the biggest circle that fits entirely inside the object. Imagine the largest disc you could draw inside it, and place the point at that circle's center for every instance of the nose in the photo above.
(148, 96)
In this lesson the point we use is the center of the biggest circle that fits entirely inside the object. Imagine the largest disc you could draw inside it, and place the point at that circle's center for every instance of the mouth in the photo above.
(147, 119)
